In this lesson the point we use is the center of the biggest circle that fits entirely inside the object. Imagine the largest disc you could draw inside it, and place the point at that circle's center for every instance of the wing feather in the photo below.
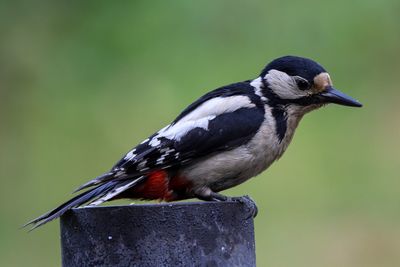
(221, 120)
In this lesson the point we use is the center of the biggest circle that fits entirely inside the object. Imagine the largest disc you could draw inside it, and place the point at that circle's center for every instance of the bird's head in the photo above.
(302, 82)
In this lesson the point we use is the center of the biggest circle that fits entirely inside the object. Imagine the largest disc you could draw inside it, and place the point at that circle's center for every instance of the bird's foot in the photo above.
(245, 200)
(208, 195)
(250, 204)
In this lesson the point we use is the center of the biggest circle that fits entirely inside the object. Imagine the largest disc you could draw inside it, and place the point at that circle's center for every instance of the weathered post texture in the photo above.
(178, 234)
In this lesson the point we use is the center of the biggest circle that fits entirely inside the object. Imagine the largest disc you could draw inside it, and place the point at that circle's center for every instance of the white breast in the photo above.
(230, 168)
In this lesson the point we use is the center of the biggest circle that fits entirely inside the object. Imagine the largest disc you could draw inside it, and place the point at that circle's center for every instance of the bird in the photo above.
(224, 138)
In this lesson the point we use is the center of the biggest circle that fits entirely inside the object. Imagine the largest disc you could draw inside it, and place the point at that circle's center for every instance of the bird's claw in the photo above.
(251, 206)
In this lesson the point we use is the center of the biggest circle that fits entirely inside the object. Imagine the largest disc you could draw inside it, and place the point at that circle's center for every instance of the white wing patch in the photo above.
(155, 141)
(201, 116)
(130, 155)
(217, 106)
(178, 130)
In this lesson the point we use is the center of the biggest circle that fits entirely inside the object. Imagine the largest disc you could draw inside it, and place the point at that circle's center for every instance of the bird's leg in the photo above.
(207, 194)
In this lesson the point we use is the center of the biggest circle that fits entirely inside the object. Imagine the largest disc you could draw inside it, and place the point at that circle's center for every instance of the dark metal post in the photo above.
(178, 234)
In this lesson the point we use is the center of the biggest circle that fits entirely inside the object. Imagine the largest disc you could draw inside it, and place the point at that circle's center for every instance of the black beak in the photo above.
(331, 95)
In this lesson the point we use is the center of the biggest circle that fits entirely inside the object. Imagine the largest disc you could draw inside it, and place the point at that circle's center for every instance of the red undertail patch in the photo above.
(159, 185)
(154, 187)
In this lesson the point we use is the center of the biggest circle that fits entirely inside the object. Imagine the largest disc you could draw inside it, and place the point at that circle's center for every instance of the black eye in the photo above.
(302, 83)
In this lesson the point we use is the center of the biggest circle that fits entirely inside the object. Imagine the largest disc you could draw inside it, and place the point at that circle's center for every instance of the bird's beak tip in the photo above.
(332, 95)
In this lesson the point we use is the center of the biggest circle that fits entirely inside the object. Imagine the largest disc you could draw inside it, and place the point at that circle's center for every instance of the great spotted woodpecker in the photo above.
(224, 138)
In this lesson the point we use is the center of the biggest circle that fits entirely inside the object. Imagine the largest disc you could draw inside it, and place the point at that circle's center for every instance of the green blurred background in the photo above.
(83, 81)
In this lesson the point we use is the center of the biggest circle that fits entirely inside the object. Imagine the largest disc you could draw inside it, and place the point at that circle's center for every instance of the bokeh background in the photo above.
(83, 81)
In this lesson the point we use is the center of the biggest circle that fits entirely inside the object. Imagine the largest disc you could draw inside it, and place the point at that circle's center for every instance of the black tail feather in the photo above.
(78, 200)
(99, 179)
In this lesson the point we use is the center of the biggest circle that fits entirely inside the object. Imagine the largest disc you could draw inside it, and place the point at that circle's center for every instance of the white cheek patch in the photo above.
(283, 85)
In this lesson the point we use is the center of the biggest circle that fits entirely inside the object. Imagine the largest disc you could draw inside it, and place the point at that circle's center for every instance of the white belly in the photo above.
(230, 168)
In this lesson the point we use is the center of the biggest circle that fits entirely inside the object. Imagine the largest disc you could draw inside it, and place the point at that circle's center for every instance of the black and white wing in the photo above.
(220, 120)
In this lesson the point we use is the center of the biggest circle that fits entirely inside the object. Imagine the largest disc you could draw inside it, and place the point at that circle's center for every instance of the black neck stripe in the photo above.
(280, 122)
